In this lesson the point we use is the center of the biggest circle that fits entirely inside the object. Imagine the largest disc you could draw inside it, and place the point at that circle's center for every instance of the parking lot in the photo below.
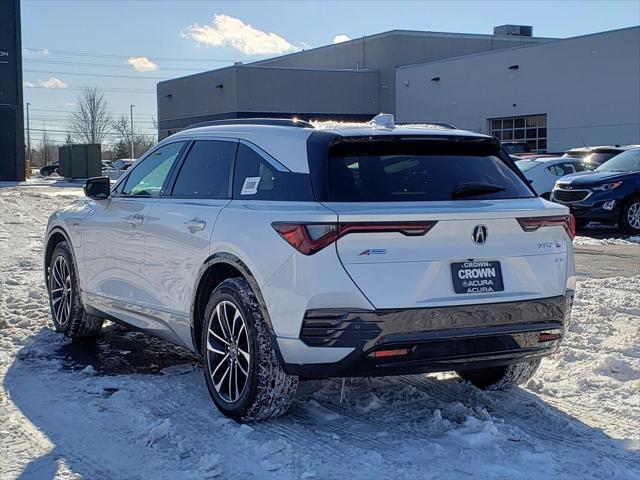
(131, 406)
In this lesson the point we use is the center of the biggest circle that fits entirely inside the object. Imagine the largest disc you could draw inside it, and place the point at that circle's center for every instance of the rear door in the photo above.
(439, 226)
(180, 227)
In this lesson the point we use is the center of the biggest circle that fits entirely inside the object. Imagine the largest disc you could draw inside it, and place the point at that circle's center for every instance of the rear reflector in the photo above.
(548, 337)
(309, 238)
(391, 353)
(568, 222)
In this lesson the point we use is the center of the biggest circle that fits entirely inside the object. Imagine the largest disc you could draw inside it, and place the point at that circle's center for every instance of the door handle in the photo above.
(195, 225)
(135, 219)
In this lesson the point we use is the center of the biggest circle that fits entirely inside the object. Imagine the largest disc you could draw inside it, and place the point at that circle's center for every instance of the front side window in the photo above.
(206, 171)
(409, 172)
(256, 179)
(149, 176)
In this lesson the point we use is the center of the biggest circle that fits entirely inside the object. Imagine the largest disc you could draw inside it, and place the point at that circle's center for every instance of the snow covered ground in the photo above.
(132, 407)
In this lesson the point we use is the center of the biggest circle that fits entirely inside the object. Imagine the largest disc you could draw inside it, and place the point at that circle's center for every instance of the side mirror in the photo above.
(98, 188)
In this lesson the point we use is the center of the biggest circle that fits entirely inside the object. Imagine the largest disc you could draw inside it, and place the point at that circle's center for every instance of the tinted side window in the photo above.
(206, 171)
(256, 179)
(148, 177)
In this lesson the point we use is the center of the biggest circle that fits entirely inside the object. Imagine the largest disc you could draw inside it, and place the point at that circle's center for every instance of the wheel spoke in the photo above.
(231, 399)
(225, 332)
(235, 376)
(57, 299)
(244, 354)
(56, 290)
(219, 384)
(218, 337)
(220, 363)
(225, 317)
(213, 349)
(246, 372)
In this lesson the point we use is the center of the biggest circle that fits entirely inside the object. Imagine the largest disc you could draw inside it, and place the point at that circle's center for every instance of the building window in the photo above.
(531, 129)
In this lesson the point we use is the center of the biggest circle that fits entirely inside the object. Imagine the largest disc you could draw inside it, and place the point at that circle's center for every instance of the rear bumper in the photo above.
(435, 339)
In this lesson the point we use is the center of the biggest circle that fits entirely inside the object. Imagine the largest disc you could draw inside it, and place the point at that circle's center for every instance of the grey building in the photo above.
(556, 95)
(353, 80)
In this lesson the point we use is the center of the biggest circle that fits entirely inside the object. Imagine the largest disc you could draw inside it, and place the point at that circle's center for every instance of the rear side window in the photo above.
(206, 171)
(256, 179)
(415, 171)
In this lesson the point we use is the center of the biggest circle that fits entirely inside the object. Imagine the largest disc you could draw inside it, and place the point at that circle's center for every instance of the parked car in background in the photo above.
(50, 169)
(515, 148)
(609, 194)
(543, 172)
(280, 251)
(593, 157)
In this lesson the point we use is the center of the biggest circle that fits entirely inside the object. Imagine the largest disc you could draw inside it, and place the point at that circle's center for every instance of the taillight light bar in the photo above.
(568, 222)
(309, 238)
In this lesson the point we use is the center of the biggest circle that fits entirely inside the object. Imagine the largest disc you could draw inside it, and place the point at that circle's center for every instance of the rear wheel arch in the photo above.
(216, 269)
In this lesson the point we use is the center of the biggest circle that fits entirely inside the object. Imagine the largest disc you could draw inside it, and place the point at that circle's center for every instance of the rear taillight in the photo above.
(309, 238)
(568, 222)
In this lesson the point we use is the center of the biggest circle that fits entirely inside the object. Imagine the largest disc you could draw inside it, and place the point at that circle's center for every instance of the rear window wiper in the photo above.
(473, 189)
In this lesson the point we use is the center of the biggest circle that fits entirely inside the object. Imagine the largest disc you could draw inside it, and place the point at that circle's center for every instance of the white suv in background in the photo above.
(281, 251)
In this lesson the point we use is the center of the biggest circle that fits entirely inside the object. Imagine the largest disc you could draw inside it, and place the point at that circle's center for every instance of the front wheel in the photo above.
(69, 316)
(500, 378)
(243, 374)
(630, 216)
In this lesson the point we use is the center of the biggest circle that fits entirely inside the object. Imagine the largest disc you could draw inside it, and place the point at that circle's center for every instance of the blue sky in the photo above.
(140, 39)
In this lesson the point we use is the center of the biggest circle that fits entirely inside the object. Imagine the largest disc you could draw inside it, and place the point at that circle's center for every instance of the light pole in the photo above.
(28, 139)
(131, 107)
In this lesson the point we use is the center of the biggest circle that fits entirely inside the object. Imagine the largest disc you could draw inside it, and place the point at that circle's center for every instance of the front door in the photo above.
(114, 234)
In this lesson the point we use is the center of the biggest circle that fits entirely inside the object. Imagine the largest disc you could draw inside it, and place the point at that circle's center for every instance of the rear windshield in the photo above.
(415, 171)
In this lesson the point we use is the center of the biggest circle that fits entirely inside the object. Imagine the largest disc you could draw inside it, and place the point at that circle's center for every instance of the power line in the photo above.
(105, 65)
(111, 55)
(110, 90)
(72, 132)
(136, 77)
(62, 111)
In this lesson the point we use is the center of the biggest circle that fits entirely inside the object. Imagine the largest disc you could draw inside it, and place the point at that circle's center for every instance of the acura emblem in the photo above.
(479, 235)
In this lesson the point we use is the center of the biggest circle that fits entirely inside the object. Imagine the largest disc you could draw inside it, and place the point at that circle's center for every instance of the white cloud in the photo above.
(341, 38)
(226, 31)
(52, 82)
(142, 64)
(27, 83)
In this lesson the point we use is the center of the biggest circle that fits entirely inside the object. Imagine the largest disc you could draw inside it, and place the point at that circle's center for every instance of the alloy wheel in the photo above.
(633, 215)
(228, 351)
(61, 291)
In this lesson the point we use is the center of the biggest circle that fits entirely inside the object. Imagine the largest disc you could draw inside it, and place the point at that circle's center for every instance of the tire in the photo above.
(630, 216)
(240, 350)
(67, 312)
(501, 378)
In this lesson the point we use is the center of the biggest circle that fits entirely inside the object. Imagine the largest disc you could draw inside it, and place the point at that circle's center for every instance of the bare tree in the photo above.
(92, 120)
(122, 147)
(46, 152)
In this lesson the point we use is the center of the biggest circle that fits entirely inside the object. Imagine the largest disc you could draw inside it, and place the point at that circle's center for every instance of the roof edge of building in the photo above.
(419, 33)
(518, 47)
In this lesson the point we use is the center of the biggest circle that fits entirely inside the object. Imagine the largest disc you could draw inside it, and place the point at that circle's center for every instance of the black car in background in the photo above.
(593, 157)
(515, 148)
(608, 194)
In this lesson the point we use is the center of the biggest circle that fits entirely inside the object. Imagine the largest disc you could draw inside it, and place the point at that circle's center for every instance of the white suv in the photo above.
(279, 251)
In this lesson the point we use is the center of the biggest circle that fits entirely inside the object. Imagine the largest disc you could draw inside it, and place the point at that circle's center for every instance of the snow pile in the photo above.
(631, 240)
(62, 419)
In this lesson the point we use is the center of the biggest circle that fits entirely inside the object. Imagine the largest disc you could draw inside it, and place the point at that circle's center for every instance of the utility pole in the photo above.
(131, 106)
(28, 141)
